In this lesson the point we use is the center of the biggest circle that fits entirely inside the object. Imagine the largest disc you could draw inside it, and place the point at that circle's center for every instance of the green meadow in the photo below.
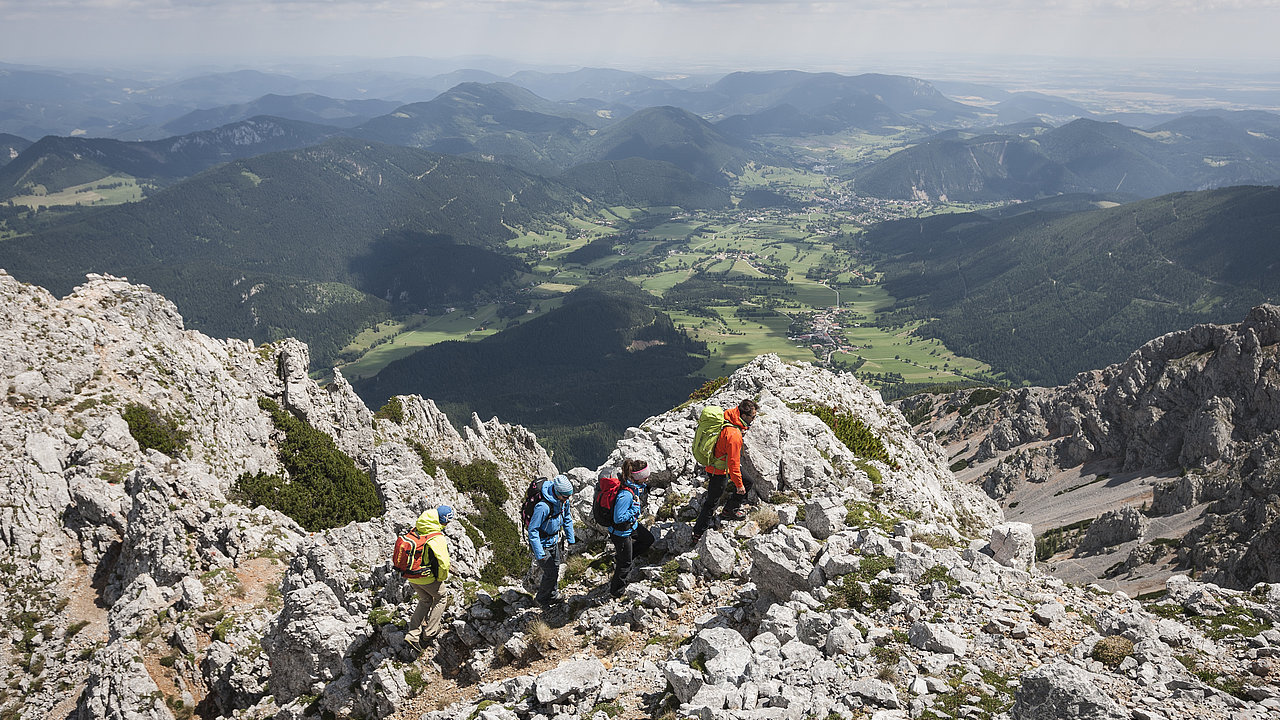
(112, 190)
(732, 245)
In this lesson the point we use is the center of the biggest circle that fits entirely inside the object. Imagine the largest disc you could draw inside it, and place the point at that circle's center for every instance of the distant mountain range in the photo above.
(306, 107)
(10, 147)
(1043, 295)
(498, 122)
(1033, 160)
(55, 163)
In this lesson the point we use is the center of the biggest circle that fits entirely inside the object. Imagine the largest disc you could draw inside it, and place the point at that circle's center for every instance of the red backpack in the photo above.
(607, 489)
(412, 556)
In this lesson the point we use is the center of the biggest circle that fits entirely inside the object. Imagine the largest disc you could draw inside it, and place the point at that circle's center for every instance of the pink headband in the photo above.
(641, 474)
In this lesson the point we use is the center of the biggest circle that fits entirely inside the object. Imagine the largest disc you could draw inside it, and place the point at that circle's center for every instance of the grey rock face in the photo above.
(936, 638)
(781, 563)
(1112, 528)
(824, 516)
(1013, 544)
(120, 687)
(1200, 403)
(1062, 691)
(723, 652)
(579, 678)
(717, 554)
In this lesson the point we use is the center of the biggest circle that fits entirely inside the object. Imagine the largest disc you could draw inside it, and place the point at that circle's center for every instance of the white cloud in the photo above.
(601, 31)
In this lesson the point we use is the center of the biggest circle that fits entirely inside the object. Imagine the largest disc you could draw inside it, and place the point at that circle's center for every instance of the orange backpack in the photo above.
(411, 555)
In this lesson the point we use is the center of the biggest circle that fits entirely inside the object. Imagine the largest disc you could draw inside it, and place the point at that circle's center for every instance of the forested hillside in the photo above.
(644, 183)
(1042, 296)
(248, 248)
(578, 376)
(56, 163)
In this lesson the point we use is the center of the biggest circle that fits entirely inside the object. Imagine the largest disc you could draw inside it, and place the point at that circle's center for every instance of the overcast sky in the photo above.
(639, 33)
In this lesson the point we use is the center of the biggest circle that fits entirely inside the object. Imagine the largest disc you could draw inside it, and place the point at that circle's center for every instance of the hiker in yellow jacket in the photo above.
(430, 587)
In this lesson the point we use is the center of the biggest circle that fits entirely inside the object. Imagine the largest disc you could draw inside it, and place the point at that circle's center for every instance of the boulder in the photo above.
(576, 678)
(1062, 691)
(723, 652)
(1013, 544)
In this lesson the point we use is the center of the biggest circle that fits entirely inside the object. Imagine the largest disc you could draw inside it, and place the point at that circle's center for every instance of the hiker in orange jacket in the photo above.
(729, 444)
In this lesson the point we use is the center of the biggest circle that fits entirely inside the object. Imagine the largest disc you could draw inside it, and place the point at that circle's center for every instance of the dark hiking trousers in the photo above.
(625, 549)
(715, 488)
(550, 566)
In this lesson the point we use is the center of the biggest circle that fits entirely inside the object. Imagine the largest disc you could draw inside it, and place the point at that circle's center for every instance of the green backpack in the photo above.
(710, 423)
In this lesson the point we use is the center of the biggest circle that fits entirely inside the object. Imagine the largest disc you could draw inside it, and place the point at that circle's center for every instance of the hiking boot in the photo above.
(739, 513)
(696, 538)
(414, 640)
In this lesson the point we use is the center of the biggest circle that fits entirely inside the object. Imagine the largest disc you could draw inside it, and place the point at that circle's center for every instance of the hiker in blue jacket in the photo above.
(630, 538)
(550, 518)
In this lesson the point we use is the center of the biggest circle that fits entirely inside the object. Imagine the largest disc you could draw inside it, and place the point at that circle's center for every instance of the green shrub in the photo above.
(153, 431)
(324, 489)
(480, 477)
(851, 592)
(938, 573)
(393, 411)
(413, 678)
(708, 389)
(864, 514)
(852, 432)
(429, 464)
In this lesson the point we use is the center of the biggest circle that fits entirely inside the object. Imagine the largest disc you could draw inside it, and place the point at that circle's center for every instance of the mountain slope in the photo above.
(643, 183)
(346, 212)
(574, 374)
(10, 147)
(500, 121)
(672, 135)
(1011, 163)
(853, 567)
(1185, 428)
(1044, 296)
(306, 107)
(56, 163)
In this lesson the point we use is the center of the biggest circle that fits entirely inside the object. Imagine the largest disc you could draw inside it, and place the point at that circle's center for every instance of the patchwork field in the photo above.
(659, 248)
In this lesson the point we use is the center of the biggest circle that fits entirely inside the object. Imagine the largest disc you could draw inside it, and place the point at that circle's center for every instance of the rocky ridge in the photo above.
(1187, 429)
(137, 588)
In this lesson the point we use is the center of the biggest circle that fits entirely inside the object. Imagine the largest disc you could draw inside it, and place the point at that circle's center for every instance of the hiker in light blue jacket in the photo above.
(550, 518)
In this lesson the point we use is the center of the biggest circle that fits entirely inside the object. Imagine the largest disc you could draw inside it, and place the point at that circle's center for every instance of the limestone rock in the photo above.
(1062, 691)
(1013, 544)
(580, 678)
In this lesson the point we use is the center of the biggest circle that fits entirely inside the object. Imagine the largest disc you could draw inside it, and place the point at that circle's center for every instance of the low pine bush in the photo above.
(324, 488)
(153, 431)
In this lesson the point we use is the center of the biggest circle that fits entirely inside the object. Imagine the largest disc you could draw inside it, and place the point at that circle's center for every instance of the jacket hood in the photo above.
(430, 522)
(548, 493)
(734, 416)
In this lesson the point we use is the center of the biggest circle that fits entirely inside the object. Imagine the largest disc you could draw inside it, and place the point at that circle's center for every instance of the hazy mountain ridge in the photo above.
(1188, 153)
(10, 147)
(307, 107)
(56, 163)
